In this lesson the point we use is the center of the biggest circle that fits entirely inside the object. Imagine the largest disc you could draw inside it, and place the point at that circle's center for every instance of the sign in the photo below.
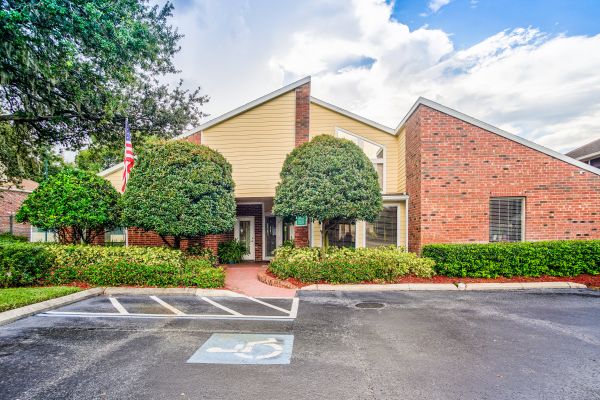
(301, 220)
(243, 348)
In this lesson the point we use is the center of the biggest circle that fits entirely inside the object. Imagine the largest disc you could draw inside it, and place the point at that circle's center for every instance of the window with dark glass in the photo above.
(384, 231)
(506, 219)
(341, 234)
(114, 237)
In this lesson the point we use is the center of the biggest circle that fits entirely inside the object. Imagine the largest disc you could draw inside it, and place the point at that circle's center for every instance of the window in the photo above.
(507, 219)
(42, 235)
(384, 231)
(374, 151)
(115, 237)
(288, 231)
(341, 234)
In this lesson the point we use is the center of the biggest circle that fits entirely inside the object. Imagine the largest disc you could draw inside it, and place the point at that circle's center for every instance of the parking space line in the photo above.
(294, 309)
(222, 307)
(82, 314)
(118, 305)
(167, 306)
(283, 310)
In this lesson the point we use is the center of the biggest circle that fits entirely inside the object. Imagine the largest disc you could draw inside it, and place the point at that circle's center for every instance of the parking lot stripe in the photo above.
(118, 305)
(222, 307)
(294, 310)
(82, 314)
(167, 306)
(283, 310)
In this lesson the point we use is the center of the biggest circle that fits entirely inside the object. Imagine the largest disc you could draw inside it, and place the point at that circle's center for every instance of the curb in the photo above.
(9, 316)
(446, 286)
(275, 282)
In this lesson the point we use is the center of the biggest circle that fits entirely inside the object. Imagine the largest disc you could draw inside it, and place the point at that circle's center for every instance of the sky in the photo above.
(529, 67)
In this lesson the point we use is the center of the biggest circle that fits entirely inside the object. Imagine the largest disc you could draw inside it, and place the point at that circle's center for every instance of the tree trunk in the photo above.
(177, 242)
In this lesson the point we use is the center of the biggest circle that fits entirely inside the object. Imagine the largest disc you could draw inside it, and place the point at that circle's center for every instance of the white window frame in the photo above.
(523, 200)
(339, 130)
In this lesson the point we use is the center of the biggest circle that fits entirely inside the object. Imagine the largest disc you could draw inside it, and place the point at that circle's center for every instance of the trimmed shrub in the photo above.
(554, 258)
(198, 251)
(135, 266)
(7, 237)
(23, 264)
(347, 265)
(232, 251)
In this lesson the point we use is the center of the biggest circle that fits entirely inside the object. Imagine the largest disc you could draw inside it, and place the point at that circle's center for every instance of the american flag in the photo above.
(128, 159)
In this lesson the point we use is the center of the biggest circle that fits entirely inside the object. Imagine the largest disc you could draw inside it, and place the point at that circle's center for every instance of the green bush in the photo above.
(198, 251)
(137, 266)
(348, 265)
(23, 263)
(232, 251)
(7, 237)
(555, 258)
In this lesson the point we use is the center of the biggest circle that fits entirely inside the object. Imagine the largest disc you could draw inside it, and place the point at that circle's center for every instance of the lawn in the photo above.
(19, 297)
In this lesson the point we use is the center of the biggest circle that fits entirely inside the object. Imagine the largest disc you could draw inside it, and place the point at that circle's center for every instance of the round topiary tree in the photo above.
(329, 180)
(181, 190)
(78, 204)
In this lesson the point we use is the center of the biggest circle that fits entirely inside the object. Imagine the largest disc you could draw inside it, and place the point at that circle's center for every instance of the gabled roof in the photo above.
(226, 116)
(353, 116)
(588, 150)
(421, 101)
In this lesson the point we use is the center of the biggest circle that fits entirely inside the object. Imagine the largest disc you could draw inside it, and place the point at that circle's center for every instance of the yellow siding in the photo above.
(325, 121)
(116, 179)
(256, 143)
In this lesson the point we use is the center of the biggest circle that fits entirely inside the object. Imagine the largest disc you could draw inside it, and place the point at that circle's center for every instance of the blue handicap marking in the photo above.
(245, 348)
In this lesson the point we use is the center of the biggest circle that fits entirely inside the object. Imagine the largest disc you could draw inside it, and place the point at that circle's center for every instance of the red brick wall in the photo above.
(196, 138)
(302, 136)
(302, 113)
(10, 202)
(460, 166)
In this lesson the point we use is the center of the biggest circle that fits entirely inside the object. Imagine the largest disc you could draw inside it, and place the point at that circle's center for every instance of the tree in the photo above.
(79, 205)
(98, 157)
(328, 180)
(74, 69)
(180, 189)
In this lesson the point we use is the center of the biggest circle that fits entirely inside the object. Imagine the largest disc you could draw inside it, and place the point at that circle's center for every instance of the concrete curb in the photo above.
(111, 291)
(446, 286)
(9, 316)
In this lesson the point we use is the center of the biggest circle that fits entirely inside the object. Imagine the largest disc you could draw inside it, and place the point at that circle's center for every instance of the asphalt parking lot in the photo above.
(419, 345)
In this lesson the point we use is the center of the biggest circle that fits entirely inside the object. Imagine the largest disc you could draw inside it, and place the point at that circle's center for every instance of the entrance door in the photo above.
(244, 232)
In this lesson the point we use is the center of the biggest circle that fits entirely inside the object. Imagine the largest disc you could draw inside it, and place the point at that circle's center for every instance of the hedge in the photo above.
(29, 264)
(554, 258)
(347, 265)
(23, 264)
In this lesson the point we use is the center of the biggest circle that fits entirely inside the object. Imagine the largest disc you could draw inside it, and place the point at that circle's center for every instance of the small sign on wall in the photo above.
(301, 220)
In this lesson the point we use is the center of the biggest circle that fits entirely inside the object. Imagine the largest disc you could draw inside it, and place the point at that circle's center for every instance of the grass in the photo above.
(19, 297)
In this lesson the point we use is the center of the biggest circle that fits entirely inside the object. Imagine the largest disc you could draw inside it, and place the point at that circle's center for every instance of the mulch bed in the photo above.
(588, 280)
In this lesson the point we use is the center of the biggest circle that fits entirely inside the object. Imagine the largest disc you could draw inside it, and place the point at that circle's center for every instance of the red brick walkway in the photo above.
(242, 278)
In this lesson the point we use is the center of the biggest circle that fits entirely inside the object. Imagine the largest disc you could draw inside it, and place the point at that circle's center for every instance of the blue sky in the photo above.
(529, 67)
(470, 21)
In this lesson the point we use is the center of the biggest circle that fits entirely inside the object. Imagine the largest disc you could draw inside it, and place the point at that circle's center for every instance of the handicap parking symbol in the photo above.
(245, 348)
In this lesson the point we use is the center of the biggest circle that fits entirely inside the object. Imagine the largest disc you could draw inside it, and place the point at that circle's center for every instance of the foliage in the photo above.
(7, 237)
(78, 204)
(100, 156)
(348, 265)
(23, 264)
(143, 266)
(198, 251)
(328, 179)
(180, 189)
(555, 258)
(232, 251)
(20, 297)
(74, 69)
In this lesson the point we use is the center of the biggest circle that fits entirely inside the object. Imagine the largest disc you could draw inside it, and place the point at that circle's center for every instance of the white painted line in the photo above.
(74, 314)
(294, 310)
(214, 303)
(118, 305)
(283, 310)
(167, 306)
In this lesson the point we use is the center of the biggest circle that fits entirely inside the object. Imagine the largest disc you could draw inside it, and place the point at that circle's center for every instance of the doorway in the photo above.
(244, 232)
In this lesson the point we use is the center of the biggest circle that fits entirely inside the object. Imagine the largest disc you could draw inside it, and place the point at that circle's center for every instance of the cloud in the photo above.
(543, 87)
(435, 5)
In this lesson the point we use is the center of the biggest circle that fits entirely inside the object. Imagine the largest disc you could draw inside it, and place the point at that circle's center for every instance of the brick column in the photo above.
(412, 156)
(302, 136)
(196, 138)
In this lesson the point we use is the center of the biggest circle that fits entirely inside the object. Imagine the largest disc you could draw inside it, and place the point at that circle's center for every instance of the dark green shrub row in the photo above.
(232, 251)
(8, 237)
(345, 265)
(555, 258)
(23, 263)
(27, 264)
